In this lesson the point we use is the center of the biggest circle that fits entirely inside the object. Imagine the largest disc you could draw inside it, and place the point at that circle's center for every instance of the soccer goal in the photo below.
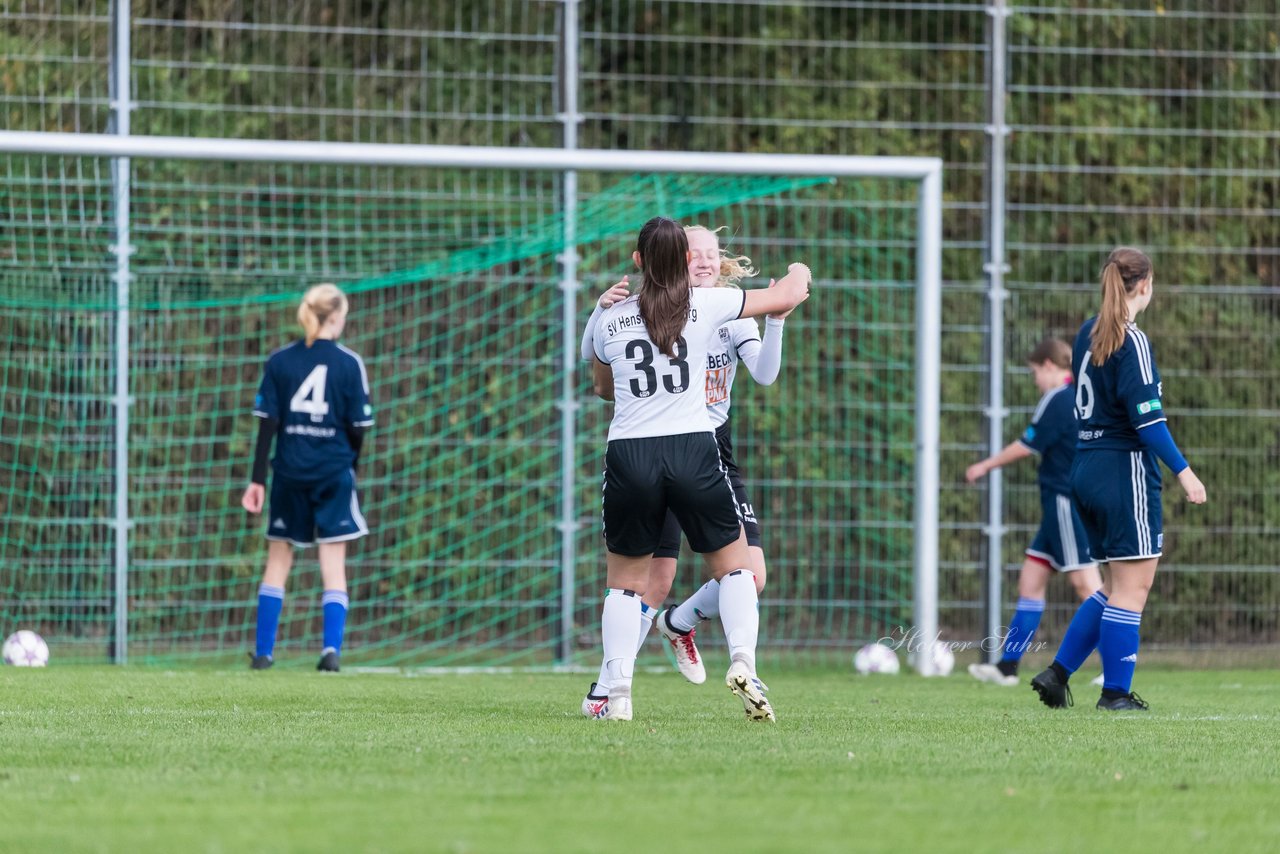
(144, 280)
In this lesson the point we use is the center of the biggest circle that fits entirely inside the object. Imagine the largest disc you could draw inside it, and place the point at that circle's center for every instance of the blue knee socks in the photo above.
(270, 603)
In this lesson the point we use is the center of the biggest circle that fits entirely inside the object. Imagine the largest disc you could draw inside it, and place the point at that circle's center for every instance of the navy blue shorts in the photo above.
(1062, 541)
(1118, 496)
(324, 512)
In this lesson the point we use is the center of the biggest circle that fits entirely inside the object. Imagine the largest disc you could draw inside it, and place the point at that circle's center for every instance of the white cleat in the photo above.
(594, 706)
(991, 673)
(744, 683)
(618, 706)
(688, 661)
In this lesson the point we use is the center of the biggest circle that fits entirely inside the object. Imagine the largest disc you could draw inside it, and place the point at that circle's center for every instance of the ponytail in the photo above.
(318, 305)
(1125, 269)
(664, 289)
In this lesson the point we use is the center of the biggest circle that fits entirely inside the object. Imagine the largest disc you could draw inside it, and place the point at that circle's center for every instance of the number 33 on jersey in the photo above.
(656, 394)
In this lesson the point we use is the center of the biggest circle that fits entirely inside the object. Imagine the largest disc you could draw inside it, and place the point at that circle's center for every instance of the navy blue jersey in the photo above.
(316, 393)
(1052, 435)
(1116, 399)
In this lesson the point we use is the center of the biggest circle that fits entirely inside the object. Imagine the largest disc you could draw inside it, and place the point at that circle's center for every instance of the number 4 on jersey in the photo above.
(309, 397)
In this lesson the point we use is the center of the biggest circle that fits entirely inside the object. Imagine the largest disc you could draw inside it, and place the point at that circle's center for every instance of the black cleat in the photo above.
(1053, 691)
(260, 662)
(1130, 702)
(328, 662)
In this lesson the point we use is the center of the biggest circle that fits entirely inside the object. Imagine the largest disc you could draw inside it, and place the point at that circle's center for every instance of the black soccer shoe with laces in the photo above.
(328, 662)
(1130, 702)
(1053, 691)
(260, 662)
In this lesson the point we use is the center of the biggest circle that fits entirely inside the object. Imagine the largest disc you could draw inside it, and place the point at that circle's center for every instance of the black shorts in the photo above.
(643, 478)
(669, 543)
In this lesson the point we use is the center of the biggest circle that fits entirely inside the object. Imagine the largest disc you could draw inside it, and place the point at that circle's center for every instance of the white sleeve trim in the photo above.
(364, 375)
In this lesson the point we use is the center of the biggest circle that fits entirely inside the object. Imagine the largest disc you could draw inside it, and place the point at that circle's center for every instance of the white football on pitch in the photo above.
(875, 658)
(940, 658)
(26, 649)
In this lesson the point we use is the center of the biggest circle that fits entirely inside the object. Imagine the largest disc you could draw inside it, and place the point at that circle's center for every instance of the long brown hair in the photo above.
(664, 288)
(1124, 271)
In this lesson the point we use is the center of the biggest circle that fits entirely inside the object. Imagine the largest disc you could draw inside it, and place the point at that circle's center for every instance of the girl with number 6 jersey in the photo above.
(651, 354)
(314, 401)
(1115, 481)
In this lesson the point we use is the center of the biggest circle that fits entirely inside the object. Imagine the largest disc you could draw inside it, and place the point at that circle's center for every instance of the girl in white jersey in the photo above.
(737, 341)
(651, 354)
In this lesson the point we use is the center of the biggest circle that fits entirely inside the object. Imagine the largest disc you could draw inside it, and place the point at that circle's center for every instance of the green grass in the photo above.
(95, 759)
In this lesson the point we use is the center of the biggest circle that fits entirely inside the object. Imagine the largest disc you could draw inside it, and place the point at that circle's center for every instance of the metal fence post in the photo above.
(121, 104)
(569, 119)
(995, 267)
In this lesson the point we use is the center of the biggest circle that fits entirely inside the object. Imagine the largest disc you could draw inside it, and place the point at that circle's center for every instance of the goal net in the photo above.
(457, 306)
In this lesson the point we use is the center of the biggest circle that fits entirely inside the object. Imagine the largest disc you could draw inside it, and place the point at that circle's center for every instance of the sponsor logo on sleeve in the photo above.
(1149, 406)
(1030, 435)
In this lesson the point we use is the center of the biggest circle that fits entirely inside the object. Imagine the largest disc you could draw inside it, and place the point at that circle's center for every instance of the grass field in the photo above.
(96, 759)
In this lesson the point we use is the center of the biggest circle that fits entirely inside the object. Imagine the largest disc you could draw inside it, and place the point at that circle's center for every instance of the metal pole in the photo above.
(995, 268)
(121, 103)
(568, 258)
(928, 409)
(461, 156)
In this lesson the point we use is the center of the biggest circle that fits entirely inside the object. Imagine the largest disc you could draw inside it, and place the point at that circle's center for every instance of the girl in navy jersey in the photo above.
(1061, 544)
(1115, 480)
(738, 341)
(651, 354)
(314, 401)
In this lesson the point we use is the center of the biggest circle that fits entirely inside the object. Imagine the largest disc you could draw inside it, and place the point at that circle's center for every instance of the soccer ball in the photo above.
(26, 649)
(939, 656)
(875, 658)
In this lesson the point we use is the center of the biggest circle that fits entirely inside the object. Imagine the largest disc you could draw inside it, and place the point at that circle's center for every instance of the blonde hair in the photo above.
(733, 268)
(1125, 269)
(320, 303)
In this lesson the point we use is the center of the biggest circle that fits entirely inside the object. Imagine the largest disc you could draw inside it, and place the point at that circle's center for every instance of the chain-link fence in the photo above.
(1158, 127)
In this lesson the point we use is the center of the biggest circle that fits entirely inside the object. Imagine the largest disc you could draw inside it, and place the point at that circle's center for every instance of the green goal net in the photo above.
(457, 308)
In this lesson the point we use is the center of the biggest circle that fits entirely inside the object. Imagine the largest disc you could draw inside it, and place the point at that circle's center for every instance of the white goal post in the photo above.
(925, 171)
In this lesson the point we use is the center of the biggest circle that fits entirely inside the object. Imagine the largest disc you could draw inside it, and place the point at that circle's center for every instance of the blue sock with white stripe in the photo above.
(335, 604)
(1118, 647)
(1022, 628)
(270, 603)
(1081, 638)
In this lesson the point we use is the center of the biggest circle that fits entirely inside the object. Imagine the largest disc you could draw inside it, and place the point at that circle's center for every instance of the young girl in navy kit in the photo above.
(1115, 481)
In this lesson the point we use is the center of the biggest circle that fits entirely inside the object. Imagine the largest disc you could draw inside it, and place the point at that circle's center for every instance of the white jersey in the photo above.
(655, 394)
(722, 365)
